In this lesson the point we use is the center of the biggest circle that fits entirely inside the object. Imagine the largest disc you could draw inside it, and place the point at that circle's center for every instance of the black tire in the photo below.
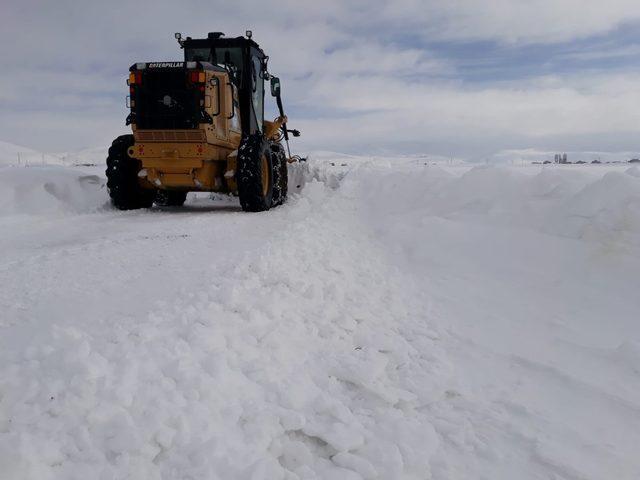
(255, 174)
(170, 198)
(281, 174)
(122, 177)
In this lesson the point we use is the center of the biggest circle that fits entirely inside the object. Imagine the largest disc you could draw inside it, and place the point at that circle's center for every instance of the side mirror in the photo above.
(275, 86)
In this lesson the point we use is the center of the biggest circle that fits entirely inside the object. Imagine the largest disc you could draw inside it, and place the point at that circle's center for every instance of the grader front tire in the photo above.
(281, 174)
(255, 174)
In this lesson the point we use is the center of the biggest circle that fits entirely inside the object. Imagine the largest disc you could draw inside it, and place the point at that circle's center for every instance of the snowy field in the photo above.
(394, 320)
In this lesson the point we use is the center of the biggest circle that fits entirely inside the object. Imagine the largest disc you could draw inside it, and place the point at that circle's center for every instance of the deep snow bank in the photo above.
(533, 275)
(392, 321)
(607, 209)
(49, 189)
(591, 203)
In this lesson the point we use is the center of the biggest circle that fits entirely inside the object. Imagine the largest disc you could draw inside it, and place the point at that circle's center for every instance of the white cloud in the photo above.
(64, 65)
(441, 114)
(543, 21)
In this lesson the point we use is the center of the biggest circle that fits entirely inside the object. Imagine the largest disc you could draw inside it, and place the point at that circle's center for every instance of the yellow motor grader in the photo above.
(198, 125)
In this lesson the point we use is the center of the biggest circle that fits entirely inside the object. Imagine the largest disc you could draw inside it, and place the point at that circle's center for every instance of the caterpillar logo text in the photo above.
(166, 65)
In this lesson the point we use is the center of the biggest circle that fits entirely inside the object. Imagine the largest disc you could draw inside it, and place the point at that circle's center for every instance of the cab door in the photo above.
(257, 94)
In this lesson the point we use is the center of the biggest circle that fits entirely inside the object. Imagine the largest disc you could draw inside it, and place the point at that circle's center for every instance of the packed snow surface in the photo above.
(394, 320)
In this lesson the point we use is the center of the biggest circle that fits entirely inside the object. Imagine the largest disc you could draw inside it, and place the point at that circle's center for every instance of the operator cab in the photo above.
(247, 66)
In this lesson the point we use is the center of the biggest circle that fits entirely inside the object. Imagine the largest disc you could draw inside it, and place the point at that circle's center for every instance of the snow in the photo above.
(50, 189)
(11, 154)
(18, 155)
(394, 320)
(88, 156)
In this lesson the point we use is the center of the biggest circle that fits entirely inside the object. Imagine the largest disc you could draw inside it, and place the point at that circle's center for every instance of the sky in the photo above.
(457, 78)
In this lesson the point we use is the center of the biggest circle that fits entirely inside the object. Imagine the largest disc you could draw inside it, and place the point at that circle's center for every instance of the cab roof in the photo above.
(217, 39)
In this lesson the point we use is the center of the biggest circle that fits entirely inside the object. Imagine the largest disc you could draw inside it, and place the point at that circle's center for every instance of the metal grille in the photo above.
(169, 136)
(165, 101)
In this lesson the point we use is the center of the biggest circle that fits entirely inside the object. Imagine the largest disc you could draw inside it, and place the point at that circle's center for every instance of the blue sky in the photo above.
(457, 78)
(490, 61)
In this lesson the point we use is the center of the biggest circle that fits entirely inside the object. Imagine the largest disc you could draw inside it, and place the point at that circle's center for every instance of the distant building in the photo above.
(560, 158)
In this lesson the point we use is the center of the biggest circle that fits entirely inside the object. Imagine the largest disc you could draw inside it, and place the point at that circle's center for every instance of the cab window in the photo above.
(219, 56)
(257, 91)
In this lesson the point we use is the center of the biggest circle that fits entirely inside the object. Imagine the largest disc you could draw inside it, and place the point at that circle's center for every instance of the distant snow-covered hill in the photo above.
(87, 156)
(12, 154)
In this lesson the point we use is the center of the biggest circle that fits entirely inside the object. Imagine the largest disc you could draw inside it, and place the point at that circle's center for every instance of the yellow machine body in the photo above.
(202, 159)
(196, 159)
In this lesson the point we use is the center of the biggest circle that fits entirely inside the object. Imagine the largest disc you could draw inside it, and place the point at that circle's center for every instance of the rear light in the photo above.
(197, 77)
(135, 78)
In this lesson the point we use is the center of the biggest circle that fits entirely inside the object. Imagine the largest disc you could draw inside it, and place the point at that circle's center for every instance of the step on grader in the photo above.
(198, 125)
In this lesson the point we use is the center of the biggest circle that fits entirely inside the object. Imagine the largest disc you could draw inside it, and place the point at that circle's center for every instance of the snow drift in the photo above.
(592, 203)
(394, 320)
(49, 189)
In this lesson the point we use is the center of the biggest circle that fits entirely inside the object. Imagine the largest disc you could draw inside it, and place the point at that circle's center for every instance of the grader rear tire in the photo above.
(255, 174)
(122, 177)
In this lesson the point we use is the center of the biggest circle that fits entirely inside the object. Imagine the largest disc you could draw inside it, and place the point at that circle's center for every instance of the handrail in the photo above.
(233, 105)
(216, 80)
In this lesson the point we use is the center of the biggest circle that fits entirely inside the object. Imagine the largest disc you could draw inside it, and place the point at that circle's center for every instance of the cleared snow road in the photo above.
(103, 266)
(406, 322)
